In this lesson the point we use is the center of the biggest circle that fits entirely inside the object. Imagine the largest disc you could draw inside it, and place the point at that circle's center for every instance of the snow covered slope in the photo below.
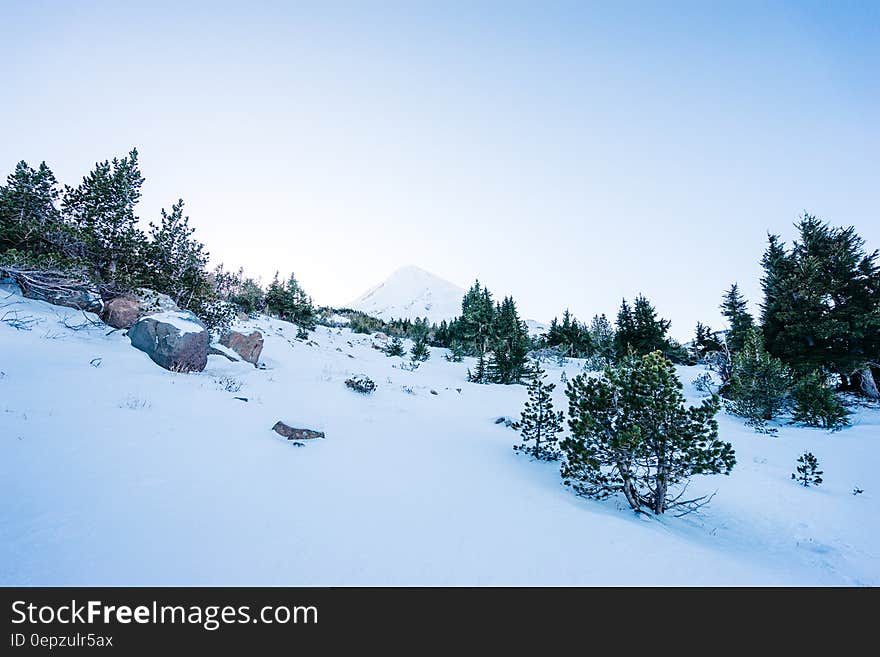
(411, 292)
(116, 472)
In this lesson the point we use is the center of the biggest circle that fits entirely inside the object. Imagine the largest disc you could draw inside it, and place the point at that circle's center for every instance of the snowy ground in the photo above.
(123, 473)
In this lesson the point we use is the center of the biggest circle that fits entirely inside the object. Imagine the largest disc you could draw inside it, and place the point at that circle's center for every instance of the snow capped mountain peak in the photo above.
(411, 292)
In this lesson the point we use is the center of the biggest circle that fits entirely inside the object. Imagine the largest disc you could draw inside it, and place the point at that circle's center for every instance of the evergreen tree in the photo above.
(759, 383)
(241, 291)
(174, 263)
(625, 336)
(509, 344)
(29, 215)
(821, 306)
(395, 347)
(456, 352)
(650, 330)
(480, 373)
(539, 424)
(705, 341)
(816, 405)
(735, 310)
(419, 352)
(289, 301)
(601, 342)
(102, 208)
(631, 433)
(249, 297)
(640, 330)
(602, 336)
(808, 472)
(571, 337)
(476, 321)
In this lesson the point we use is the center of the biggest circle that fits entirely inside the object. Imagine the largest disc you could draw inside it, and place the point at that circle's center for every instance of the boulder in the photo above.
(249, 347)
(175, 340)
(124, 310)
(154, 302)
(292, 433)
(121, 312)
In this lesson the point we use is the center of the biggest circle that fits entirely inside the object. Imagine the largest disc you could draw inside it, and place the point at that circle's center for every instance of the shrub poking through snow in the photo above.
(419, 352)
(759, 383)
(816, 405)
(228, 384)
(456, 353)
(361, 384)
(631, 433)
(808, 472)
(540, 423)
(395, 347)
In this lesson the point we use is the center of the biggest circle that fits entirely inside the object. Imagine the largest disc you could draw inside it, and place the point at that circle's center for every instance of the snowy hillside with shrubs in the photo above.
(167, 423)
(116, 471)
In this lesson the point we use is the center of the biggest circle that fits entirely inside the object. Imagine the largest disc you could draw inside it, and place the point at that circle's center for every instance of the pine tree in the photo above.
(29, 215)
(480, 373)
(539, 423)
(395, 347)
(640, 330)
(419, 352)
(625, 337)
(509, 344)
(572, 338)
(102, 208)
(456, 352)
(735, 310)
(238, 289)
(816, 405)
(705, 341)
(174, 263)
(808, 472)
(602, 337)
(821, 306)
(289, 301)
(650, 330)
(759, 383)
(474, 327)
(631, 433)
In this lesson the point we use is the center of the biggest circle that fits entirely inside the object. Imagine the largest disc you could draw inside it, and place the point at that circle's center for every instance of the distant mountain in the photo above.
(411, 292)
(536, 328)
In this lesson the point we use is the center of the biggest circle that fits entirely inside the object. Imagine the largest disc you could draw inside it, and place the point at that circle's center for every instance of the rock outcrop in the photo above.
(121, 312)
(175, 340)
(249, 347)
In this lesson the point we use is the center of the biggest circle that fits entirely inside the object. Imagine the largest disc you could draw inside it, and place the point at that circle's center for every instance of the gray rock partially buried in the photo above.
(292, 433)
(175, 340)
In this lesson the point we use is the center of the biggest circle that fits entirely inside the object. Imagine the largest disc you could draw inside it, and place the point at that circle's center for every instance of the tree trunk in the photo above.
(661, 488)
(628, 489)
(867, 384)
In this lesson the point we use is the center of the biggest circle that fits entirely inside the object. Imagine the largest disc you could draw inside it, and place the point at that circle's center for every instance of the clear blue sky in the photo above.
(568, 153)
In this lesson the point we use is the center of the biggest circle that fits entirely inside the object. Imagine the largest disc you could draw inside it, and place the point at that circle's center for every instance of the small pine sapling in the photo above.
(395, 347)
(419, 352)
(816, 405)
(540, 424)
(808, 472)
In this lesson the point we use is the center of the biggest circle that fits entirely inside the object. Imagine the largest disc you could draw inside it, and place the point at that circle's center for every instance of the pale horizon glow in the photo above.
(570, 154)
